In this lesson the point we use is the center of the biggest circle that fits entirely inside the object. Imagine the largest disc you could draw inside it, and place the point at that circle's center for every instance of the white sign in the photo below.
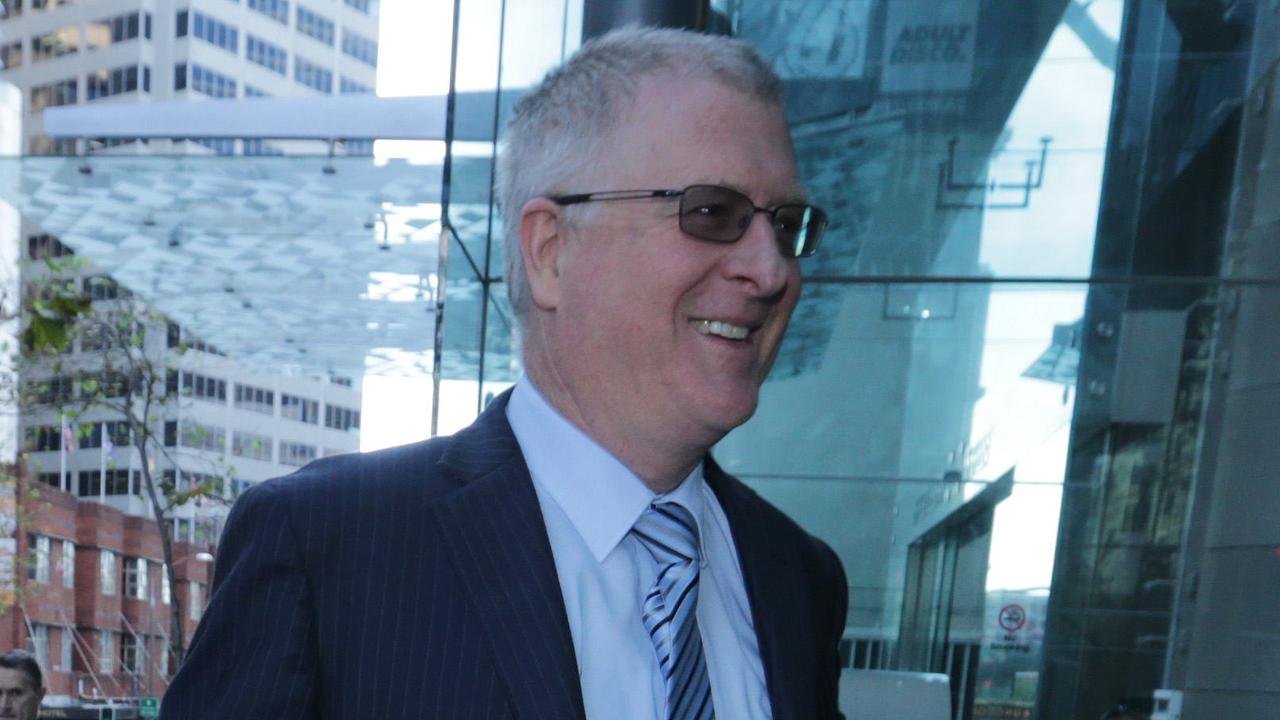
(929, 46)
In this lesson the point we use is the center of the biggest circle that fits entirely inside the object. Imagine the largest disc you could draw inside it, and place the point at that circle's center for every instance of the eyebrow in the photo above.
(792, 197)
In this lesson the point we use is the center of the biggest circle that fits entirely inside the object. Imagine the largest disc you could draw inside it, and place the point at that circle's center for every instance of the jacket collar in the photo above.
(494, 531)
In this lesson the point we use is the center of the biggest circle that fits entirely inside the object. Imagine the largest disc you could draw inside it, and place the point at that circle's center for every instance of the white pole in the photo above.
(102, 475)
(63, 482)
(129, 449)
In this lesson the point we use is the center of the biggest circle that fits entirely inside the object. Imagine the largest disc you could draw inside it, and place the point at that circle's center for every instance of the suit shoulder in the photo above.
(812, 551)
(389, 471)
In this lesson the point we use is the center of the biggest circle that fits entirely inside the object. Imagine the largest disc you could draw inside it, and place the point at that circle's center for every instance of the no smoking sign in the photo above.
(1012, 618)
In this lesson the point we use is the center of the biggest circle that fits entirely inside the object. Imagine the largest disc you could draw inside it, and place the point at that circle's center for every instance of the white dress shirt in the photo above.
(589, 502)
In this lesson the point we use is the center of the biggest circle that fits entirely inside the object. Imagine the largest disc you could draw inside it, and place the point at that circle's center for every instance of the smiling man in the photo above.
(576, 552)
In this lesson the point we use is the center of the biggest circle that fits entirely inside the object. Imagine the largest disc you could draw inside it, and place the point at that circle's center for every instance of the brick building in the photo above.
(92, 600)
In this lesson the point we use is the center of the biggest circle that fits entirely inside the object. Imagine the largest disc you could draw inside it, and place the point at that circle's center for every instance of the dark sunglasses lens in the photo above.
(714, 213)
(799, 229)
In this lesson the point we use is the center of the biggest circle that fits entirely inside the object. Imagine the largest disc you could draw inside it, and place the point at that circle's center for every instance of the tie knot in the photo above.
(669, 532)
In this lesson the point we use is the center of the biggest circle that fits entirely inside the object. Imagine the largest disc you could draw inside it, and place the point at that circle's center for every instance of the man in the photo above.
(574, 553)
(21, 686)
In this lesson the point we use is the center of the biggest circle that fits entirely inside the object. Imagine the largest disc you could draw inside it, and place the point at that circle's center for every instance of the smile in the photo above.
(720, 329)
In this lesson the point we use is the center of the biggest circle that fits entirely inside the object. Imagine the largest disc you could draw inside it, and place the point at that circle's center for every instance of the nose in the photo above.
(756, 261)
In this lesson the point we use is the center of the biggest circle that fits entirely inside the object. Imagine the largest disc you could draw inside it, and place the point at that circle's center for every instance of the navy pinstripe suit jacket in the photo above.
(418, 582)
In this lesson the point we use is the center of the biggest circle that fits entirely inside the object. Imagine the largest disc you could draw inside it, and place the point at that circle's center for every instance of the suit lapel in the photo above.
(495, 534)
(775, 590)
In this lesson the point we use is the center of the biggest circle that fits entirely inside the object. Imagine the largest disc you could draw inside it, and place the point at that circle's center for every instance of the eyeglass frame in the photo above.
(611, 195)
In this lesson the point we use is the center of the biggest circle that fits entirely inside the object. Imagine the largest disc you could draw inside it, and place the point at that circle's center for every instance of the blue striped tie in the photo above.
(669, 533)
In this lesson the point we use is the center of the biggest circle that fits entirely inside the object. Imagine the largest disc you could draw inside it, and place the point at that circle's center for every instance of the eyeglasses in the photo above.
(721, 215)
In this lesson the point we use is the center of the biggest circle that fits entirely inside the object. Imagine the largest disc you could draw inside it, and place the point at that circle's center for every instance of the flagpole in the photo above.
(63, 482)
(102, 475)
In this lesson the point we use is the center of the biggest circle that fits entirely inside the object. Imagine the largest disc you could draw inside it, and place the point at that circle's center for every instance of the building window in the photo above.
(260, 147)
(64, 656)
(53, 94)
(170, 433)
(182, 23)
(340, 418)
(38, 643)
(49, 391)
(166, 590)
(347, 86)
(201, 437)
(44, 438)
(315, 25)
(11, 55)
(68, 564)
(215, 32)
(105, 287)
(253, 92)
(106, 651)
(40, 247)
(107, 571)
(51, 479)
(312, 75)
(117, 433)
(118, 482)
(195, 599)
(251, 445)
(38, 547)
(296, 454)
(269, 56)
(361, 5)
(55, 44)
(135, 578)
(121, 28)
(277, 10)
(130, 657)
(204, 387)
(256, 399)
(106, 83)
(180, 76)
(213, 84)
(360, 47)
(293, 407)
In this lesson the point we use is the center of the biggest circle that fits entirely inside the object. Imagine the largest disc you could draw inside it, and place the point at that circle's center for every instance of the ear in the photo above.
(541, 241)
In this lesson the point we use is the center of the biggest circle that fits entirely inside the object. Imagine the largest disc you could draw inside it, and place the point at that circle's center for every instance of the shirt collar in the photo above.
(601, 497)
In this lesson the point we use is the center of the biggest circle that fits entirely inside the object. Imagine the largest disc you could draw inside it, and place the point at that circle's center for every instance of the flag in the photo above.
(68, 437)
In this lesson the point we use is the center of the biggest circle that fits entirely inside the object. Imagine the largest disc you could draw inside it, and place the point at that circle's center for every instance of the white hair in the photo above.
(557, 129)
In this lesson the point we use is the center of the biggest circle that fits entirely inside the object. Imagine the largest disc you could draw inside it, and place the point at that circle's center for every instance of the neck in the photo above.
(660, 463)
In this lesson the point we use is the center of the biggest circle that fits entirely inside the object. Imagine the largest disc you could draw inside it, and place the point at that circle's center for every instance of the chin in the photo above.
(732, 413)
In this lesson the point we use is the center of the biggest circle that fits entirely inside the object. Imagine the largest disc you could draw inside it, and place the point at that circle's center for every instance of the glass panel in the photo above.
(506, 47)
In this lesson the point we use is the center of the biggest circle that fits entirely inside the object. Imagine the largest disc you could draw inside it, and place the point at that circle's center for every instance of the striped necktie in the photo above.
(669, 532)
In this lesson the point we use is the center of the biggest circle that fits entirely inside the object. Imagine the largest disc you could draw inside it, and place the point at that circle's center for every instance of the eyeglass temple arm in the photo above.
(613, 195)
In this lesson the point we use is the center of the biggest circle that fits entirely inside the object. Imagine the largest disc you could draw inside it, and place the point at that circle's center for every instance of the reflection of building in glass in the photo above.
(989, 300)
(127, 51)
(227, 424)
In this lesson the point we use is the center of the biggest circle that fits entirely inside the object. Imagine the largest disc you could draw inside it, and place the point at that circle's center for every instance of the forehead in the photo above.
(684, 131)
(10, 679)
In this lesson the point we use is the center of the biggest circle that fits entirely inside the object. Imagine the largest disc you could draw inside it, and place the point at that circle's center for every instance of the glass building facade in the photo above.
(1026, 393)
(1030, 395)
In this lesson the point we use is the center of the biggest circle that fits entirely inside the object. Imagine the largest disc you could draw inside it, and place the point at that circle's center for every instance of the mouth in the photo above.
(719, 328)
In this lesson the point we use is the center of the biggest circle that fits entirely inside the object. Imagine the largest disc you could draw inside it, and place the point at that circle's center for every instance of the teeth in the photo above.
(721, 329)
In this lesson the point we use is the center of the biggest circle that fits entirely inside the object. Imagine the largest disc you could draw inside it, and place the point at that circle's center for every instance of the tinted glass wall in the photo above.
(1025, 391)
